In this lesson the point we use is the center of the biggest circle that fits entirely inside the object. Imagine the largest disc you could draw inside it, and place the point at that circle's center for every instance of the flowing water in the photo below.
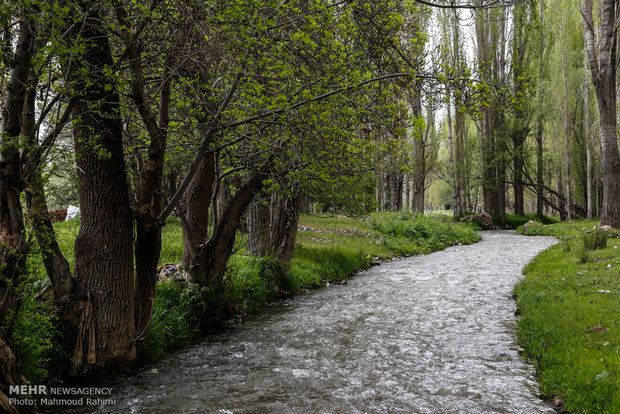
(426, 334)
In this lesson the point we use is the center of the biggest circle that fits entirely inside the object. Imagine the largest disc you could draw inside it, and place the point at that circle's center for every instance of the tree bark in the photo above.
(213, 255)
(485, 127)
(418, 156)
(12, 231)
(104, 245)
(284, 231)
(55, 263)
(259, 244)
(198, 198)
(567, 131)
(539, 121)
(586, 133)
(602, 63)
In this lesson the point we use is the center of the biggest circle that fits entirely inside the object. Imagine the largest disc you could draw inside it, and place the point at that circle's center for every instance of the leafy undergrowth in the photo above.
(513, 221)
(328, 250)
(331, 249)
(569, 303)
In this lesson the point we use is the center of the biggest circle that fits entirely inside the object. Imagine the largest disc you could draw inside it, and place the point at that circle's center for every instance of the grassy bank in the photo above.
(569, 326)
(328, 250)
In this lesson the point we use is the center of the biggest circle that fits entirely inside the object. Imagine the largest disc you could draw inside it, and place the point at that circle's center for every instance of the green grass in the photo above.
(513, 221)
(328, 250)
(333, 248)
(561, 299)
(174, 319)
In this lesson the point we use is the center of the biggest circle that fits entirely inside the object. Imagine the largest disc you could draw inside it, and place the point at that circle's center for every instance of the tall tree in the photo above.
(104, 244)
(602, 64)
(12, 231)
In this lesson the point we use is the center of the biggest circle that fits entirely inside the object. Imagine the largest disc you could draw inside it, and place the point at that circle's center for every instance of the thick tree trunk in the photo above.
(259, 229)
(284, 231)
(198, 198)
(12, 232)
(602, 65)
(213, 255)
(104, 245)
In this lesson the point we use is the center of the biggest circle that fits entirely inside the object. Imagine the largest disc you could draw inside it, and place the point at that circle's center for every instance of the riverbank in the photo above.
(569, 323)
(328, 251)
(414, 335)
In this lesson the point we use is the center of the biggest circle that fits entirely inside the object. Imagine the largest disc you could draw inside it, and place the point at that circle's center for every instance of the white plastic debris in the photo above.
(73, 212)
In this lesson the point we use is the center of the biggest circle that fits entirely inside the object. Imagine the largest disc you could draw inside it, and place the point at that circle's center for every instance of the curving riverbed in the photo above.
(426, 334)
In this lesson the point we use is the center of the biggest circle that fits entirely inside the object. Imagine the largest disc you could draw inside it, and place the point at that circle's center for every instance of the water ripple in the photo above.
(427, 334)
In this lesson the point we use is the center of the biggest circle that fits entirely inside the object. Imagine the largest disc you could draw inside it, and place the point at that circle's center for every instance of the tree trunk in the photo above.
(198, 198)
(485, 127)
(418, 156)
(55, 263)
(500, 140)
(455, 194)
(567, 131)
(12, 231)
(104, 245)
(603, 70)
(285, 224)
(518, 180)
(214, 254)
(149, 201)
(259, 244)
(539, 126)
(588, 143)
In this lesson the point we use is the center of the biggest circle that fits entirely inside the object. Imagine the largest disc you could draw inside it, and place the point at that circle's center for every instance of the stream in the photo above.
(425, 334)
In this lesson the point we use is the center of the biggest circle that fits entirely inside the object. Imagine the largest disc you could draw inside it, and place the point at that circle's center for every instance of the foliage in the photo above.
(35, 336)
(565, 230)
(514, 221)
(171, 242)
(597, 239)
(251, 282)
(174, 319)
(412, 233)
(569, 325)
